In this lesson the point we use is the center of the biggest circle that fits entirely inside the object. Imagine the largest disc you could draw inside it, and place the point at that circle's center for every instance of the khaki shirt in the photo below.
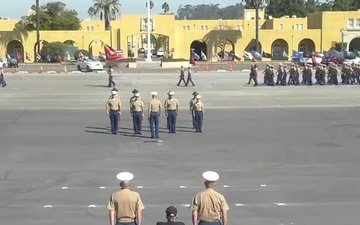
(198, 106)
(209, 204)
(114, 103)
(137, 106)
(154, 106)
(192, 102)
(171, 104)
(126, 204)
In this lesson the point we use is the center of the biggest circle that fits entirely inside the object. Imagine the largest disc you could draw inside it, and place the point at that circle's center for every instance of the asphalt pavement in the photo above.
(285, 155)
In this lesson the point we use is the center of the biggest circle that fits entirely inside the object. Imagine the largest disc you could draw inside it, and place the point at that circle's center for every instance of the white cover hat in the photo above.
(125, 176)
(154, 93)
(137, 94)
(211, 176)
(114, 92)
(171, 93)
(198, 96)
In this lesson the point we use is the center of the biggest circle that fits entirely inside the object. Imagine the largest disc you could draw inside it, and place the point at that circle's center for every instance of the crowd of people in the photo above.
(324, 74)
(154, 110)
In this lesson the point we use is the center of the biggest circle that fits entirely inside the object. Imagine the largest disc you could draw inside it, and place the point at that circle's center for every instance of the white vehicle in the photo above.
(3, 63)
(85, 63)
(160, 53)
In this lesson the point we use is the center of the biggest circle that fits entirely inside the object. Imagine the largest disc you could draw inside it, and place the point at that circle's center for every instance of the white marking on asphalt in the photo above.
(185, 205)
(48, 206)
(239, 204)
(279, 204)
(182, 186)
(139, 187)
(263, 185)
(102, 187)
(92, 206)
(225, 186)
(64, 188)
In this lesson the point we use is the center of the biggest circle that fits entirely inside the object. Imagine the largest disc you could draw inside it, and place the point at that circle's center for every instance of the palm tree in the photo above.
(107, 9)
(165, 7)
(151, 4)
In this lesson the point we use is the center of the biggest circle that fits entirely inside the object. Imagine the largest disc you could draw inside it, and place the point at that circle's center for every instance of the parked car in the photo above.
(160, 53)
(85, 63)
(3, 63)
(334, 59)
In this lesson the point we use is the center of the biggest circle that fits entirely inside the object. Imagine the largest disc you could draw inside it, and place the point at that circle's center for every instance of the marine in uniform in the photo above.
(125, 206)
(297, 75)
(209, 207)
(182, 76)
(154, 112)
(189, 77)
(266, 74)
(192, 102)
(279, 75)
(137, 113)
(198, 111)
(2, 78)
(111, 76)
(253, 75)
(171, 216)
(271, 75)
(284, 76)
(292, 75)
(171, 111)
(113, 110)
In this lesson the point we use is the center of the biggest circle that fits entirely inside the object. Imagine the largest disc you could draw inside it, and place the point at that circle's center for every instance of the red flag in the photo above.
(112, 54)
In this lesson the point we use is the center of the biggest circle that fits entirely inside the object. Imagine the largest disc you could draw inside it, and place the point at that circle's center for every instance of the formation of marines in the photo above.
(208, 207)
(154, 110)
(283, 76)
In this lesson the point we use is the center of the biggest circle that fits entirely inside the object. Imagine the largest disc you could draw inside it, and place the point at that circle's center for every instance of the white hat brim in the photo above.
(154, 93)
(211, 176)
(125, 176)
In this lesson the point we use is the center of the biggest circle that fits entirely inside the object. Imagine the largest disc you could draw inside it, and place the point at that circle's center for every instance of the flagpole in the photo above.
(148, 58)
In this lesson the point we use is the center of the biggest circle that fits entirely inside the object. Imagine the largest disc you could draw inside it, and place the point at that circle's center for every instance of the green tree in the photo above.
(54, 48)
(165, 7)
(53, 16)
(107, 9)
(151, 4)
(345, 5)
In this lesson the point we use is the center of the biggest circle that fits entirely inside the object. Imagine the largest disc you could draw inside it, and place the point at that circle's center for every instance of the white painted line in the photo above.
(101, 71)
(102, 187)
(239, 204)
(263, 185)
(182, 186)
(245, 70)
(92, 206)
(76, 72)
(160, 141)
(220, 70)
(185, 205)
(51, 72)
(139, 187)
(64, 188)
(22, 72)
(48, 206)
(279, 204)
(225, 186)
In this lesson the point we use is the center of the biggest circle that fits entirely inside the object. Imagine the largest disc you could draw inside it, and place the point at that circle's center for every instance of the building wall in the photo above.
(323, 29)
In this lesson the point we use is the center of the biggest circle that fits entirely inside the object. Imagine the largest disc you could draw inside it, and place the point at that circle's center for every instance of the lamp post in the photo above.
(257, 4)
(111, 36)
(148, 57)
(38, 26)
(342, 31)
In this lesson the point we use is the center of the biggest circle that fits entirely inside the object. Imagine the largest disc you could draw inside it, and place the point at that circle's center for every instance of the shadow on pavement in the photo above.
(96, 85)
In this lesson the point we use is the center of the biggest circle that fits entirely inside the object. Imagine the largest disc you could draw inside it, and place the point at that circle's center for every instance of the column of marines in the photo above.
(292, 75)
(154, 110)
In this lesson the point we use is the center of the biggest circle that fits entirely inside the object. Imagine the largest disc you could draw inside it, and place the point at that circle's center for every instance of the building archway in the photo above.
(307, 46)
(354, 44)
(15, 49)
(279, 47)
(252, 46)
(96, 47)
(198, 50)
(40, 56)
(72, 47)
(225, 49)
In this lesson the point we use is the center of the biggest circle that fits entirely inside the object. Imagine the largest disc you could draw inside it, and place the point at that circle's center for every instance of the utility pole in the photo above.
(38, 26)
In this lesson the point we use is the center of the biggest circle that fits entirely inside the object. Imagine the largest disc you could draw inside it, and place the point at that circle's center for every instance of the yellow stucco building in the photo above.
(317, 32)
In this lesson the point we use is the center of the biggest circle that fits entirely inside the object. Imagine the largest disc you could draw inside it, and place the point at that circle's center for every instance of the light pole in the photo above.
(38, 26)
(342, 31)
(257, 4)
(148, 57)
(111, 36)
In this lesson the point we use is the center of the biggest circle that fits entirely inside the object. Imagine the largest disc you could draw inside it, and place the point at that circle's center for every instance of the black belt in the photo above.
(171, 110)
(198, 111)
(126, 221)
(213, 221)
(114, 110)
(137, 111)
(154, 112)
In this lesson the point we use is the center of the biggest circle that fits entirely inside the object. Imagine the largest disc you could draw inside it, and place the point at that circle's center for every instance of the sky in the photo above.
(16, 11)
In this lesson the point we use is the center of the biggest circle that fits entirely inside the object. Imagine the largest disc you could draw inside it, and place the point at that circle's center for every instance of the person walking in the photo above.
(111, 77)
(182, 76)
(189, 77)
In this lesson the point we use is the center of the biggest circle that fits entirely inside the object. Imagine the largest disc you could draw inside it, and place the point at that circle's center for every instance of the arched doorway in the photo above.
(252, 46)
(72, 47)
(198, 50)
(279, 48)
(354, 44)
(96, 47)
(15, 50)
(225, 49)
(41, 56)
(307, 46)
